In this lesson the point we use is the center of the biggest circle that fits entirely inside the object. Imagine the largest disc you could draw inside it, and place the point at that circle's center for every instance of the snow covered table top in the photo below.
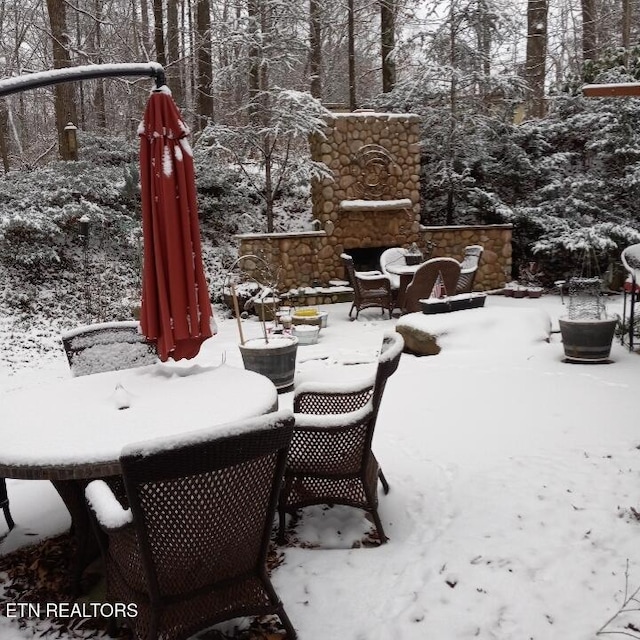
(75, 428)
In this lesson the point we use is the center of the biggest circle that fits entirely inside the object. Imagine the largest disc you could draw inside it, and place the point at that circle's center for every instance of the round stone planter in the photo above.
(275, 359)
(587, 340)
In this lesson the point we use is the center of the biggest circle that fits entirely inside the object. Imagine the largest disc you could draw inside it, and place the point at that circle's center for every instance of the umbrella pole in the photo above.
(236, 309)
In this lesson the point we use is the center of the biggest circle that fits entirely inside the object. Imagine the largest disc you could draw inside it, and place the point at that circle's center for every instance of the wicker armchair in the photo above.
(330, 460)
(190, 551)
(370, 288)
(4, 503)
(630, 258)
(107, 346)
(469, 268)
(425, 279)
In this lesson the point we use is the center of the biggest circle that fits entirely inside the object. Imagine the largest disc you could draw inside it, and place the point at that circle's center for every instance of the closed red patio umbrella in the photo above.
(176, 311)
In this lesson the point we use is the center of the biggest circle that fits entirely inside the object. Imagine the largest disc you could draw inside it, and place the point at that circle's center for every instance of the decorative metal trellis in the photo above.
(586, 296)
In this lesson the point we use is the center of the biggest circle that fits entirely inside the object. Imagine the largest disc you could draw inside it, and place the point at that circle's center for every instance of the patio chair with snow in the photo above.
(189, 548)
(107, 346)
(425, 278)
(469, 268)
(395, 256)
(370, 288)
(330, 460)
(630, 258)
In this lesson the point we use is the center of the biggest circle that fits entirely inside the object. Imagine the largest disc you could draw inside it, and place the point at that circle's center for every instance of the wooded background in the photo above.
(506, 134)
(222, 55)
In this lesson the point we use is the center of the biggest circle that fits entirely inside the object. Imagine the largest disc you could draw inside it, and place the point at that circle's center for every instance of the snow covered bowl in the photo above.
(306, 333)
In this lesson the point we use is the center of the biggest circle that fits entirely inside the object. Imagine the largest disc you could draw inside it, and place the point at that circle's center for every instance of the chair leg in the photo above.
(624, 313)
(383, 481)
(280, 539)
(632, 314)
(286, 623)
(4, 503)
(280, 612)
(373, 510)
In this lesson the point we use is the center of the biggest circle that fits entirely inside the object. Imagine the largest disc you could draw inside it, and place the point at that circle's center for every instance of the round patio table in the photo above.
(73, 431)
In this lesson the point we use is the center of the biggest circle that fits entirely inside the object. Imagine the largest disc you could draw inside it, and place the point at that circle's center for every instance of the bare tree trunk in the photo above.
(4, 136)
(99, 98)
(173, 48)
(268, 184)
(483, 35)
(205, 63)
(388, 43)
(589, 33)
(65, 106)
(453, 116)
(253, 10)
(353, 102)
(626, 29)
(158, 32)
(265, 30)
(537, 11)
(144, 26)
(315, 49)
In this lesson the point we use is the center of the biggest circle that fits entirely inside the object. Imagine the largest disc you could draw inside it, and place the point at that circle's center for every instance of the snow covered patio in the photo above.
(514, 483)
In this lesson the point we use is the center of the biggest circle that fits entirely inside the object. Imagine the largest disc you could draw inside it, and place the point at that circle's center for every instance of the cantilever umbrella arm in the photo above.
(85, 72)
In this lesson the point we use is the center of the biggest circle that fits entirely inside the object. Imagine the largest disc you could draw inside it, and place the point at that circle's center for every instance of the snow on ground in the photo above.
(514, 478)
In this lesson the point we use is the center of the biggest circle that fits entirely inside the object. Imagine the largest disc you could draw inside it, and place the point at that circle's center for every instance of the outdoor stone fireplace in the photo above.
(371, 202)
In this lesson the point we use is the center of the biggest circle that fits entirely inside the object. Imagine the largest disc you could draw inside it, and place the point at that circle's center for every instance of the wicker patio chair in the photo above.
(4, 503)
(469, 268)
(330, 460)
(425, 279)
(370, 288)
(630, 258)
(107, 346)
(190, 551)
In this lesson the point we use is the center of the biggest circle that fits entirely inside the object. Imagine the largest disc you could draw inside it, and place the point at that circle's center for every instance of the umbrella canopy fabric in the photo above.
(176, 311)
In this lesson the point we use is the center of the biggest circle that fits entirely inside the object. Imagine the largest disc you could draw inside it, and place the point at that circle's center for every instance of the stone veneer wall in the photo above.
(495, 265)
(306, 259)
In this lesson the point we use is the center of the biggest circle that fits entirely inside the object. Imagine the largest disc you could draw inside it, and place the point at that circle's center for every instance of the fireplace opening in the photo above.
(366, 258)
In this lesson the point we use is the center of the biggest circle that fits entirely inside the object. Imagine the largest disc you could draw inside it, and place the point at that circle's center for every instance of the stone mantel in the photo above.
(280, 236)
(376, 205)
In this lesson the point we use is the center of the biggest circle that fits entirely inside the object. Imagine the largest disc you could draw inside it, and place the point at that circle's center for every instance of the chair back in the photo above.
(395, 256)
(388, 361)
(469, 268)
(107, 346)
(203, 508)
(349, 269)
(630, 258)
(425, 279)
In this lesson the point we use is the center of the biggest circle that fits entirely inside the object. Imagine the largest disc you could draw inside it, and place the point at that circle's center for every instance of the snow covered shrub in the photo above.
(102, 149)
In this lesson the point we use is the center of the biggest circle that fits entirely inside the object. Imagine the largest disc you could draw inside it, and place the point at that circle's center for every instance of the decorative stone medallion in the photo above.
(372, 167)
